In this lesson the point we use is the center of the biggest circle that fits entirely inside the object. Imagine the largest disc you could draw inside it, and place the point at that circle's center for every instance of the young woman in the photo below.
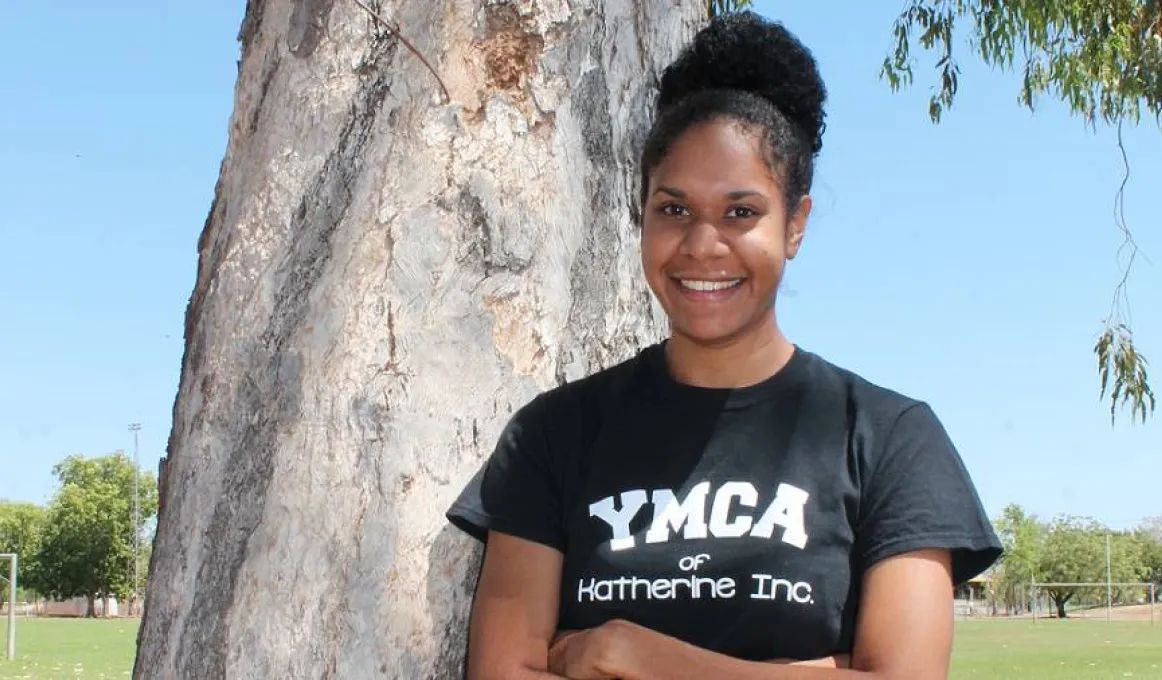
(725, 504)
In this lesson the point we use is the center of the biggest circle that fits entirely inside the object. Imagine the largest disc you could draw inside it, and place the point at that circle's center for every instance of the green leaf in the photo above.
(1102, 59)
(1118, 359)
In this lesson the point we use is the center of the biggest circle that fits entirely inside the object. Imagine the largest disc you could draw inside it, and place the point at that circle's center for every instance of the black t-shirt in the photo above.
(739, 520)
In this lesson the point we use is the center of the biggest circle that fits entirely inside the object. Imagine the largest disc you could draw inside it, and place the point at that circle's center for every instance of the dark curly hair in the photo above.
(754, 71)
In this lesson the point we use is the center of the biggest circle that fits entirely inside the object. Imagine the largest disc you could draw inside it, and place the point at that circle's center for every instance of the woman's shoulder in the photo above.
(915, 490)
(861, 395)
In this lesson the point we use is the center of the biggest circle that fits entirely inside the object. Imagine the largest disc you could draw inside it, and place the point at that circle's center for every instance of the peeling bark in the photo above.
(382, 280)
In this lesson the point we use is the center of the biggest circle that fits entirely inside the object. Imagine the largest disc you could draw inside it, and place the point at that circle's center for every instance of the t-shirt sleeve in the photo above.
(517, 491)
(919, 495)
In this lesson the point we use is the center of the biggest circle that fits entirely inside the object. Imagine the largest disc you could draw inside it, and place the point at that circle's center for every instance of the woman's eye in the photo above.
(674, 210)
(741, 212)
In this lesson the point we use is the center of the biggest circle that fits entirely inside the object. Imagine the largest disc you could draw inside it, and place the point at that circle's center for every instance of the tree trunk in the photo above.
(383, 279)
(1060, 600)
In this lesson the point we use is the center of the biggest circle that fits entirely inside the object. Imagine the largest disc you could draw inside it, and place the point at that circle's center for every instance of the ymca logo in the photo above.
(689, 517)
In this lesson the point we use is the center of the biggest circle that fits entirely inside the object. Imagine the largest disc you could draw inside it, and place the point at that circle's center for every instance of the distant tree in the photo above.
(1074, 551)
(1152, 528)
(81, 555)
(1150, 541)
(21, 525)
(1102, 59)
(1128, 556)
(87, 547)
(1022, 536)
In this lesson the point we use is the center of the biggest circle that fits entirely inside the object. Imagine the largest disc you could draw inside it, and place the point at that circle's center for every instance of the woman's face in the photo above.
(715, 234)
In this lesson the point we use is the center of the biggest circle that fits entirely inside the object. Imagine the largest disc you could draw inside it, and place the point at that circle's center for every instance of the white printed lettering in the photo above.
(720, 526)
(785, 511)
(669, 513)
(761, 585)
(692, 562)
(618, 520)
(688, 517)
(622, 588)
(799, 592)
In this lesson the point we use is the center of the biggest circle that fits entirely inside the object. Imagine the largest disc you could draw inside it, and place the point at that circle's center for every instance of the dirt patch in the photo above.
(1137, 612)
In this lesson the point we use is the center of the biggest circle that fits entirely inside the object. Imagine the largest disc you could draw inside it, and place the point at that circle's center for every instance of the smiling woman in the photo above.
(725, 504)
(715, 240)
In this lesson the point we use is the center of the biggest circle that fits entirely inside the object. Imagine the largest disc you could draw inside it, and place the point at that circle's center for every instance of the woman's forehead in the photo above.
(716, 156)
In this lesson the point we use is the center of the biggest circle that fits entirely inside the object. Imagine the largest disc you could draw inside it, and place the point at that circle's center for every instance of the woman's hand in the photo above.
(593, 653)
(585, 654)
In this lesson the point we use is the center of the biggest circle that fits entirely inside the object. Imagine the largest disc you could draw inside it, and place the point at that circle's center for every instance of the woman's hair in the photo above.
(753, 71)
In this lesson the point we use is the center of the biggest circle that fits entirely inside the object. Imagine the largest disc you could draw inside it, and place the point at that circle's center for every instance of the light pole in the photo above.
(135, 428)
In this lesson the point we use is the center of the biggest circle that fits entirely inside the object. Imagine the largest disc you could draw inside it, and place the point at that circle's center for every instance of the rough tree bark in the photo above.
(383, 277)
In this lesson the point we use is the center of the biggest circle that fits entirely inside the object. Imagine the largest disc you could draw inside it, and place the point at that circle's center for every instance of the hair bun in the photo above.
(743, 51)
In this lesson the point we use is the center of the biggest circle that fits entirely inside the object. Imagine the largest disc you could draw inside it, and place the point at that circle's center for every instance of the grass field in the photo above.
(1005, 650)
(1057, 650)
(70, 648)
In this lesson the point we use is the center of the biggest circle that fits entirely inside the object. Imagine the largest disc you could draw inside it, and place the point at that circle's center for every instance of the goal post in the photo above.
(11, 579)
(1105, 588)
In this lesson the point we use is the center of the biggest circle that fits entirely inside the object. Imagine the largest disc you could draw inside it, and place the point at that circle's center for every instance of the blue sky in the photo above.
(968, 264)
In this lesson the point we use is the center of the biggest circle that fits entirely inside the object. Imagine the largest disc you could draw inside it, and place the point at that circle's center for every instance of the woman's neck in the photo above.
(741, 362)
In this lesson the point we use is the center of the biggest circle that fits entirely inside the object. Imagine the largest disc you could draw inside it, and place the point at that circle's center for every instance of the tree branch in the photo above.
(1104, 61)
(394, 28)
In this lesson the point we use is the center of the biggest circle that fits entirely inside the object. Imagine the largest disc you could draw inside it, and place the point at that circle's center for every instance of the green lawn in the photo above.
(1077, 650)
(1005, 650)
(69, 648)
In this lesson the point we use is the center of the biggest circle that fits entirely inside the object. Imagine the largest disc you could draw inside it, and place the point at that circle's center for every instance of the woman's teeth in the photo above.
(694, 284)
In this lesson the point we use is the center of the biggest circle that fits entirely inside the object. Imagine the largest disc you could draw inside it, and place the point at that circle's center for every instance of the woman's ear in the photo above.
(797, 227)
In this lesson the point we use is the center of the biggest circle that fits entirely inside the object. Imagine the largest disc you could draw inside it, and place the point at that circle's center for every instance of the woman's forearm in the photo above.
(514, 674)
(648, 655)
(700, 663)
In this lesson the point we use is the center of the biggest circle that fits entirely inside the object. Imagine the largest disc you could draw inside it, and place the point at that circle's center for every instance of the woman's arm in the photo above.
(514, 615)
(904, 631)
